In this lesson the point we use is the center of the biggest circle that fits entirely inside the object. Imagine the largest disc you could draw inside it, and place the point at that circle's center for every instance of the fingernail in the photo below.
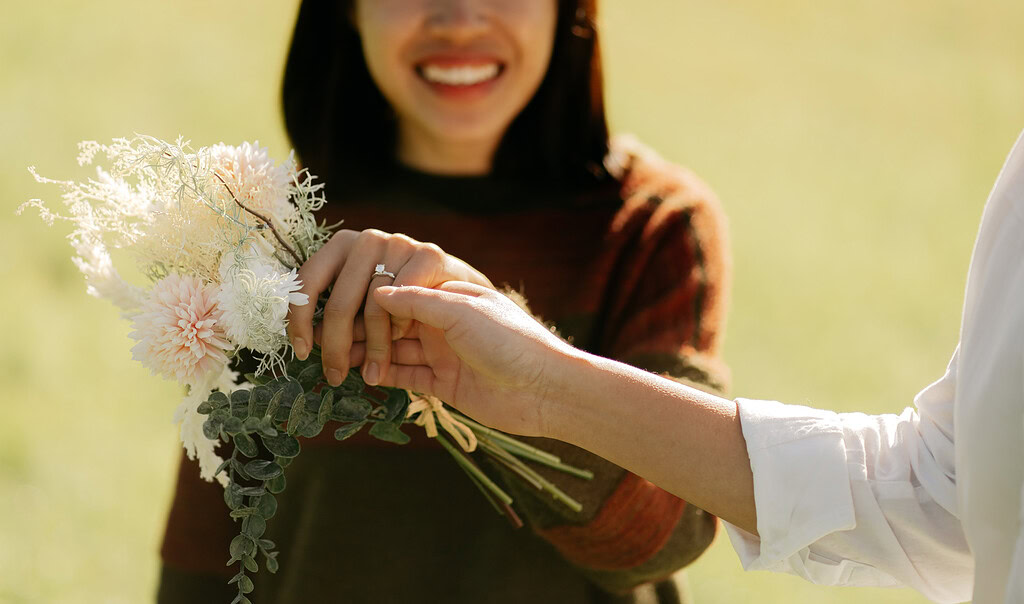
(301, 348)
(334, 377)
(371, 374)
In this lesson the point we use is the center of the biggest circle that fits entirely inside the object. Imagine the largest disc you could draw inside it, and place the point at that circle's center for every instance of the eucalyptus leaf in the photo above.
(242, 545)
(326, 407)
(218, 399)
(259, 398)
(255, 526)
(267, 428)
(252, 491)
(251, 424)
(239, 468)
(261, 469)
(353, 383)
(233, 425)
(312, 402)
(290, 391)
(274, 404)
(211, 428)
(295, 415)
(267, 545)
(246, 445)
(233, 497)
(244, 512)
(271, 564)
(223, 466)
(204, 408)
(347, 431)
(350, 409)
(397, 404)
(310, 377)
(267, 507)
(389, 432)
(283, 461)
(276, 485)
(282, 445)
(245, 583)
(309, 427)
(239, 400)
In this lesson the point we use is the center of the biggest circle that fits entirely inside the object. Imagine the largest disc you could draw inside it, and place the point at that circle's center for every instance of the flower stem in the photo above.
(471, 468)
(517, 447)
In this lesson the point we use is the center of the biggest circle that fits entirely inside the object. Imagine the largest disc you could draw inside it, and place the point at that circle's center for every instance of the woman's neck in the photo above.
(425, 153)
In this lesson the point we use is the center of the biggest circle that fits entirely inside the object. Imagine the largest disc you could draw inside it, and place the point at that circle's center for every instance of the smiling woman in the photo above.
(477, 125)
(456, 78)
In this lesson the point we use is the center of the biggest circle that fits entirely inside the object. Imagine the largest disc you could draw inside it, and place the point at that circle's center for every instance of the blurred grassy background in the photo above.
(852, 143)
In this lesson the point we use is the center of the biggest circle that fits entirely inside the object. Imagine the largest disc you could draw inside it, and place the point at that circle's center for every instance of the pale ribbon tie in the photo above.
(427, 407)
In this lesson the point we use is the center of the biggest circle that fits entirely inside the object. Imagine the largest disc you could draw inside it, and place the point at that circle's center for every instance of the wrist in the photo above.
(568, 378)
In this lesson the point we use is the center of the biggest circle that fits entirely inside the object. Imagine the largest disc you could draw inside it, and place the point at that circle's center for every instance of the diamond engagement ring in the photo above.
(378, 271)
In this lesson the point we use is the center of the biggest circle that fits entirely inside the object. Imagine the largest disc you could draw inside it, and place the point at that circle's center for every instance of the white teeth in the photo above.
(463, 75)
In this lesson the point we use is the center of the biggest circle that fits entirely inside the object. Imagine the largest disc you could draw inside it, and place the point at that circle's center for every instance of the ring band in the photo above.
(378, 271)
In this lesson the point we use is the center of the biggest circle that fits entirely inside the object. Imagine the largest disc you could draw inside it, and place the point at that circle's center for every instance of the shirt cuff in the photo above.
(801, 483)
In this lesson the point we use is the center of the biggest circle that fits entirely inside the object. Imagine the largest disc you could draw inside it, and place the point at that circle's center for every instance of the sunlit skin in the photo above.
(456, 73)
(475, 349)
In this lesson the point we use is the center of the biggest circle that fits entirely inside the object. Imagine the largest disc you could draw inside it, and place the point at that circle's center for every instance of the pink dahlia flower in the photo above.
(178, 331)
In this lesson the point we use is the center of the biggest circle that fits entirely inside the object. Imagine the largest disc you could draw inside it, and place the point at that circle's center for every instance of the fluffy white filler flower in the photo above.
(197, 446)
(254, 297)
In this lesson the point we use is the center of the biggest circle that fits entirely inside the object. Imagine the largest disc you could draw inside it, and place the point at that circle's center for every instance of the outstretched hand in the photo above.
(347, 263)
(475, 349)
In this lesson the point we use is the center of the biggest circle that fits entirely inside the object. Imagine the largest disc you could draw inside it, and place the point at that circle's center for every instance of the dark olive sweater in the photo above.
(636, 271)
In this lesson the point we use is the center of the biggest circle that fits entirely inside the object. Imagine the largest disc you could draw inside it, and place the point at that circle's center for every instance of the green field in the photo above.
(852, 144)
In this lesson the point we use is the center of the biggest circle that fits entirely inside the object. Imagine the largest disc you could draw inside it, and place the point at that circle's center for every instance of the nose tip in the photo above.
(457, 18)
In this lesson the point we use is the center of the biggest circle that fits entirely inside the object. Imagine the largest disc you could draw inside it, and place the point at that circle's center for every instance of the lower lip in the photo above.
(469, 92)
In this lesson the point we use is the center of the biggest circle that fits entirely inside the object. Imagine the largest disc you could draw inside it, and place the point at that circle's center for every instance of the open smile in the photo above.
(458, 73)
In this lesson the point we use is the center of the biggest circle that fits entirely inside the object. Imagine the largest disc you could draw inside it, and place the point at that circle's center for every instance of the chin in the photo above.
(462, 129)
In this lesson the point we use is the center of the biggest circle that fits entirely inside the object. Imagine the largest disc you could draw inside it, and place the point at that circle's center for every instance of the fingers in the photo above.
(347, 297)
(426, 268)
(439, 308)
(467, 289)
(316, 275)
(417, 378)
(358, 333)
(377, 320)
(403, 352)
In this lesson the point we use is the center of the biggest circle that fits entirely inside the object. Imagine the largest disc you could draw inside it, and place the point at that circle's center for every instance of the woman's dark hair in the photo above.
(341, 125)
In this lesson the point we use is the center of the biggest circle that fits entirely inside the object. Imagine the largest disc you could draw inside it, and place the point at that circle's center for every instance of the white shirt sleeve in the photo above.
(841, 496)
(1015, 585)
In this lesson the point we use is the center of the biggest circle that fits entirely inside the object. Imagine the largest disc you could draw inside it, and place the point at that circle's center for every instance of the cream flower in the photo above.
(255, 181)
(178, 330)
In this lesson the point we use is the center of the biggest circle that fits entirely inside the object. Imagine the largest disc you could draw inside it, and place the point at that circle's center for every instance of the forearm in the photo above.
(686, 441)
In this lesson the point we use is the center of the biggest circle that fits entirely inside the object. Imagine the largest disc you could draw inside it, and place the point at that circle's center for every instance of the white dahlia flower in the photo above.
(256, 181)
(254, 297)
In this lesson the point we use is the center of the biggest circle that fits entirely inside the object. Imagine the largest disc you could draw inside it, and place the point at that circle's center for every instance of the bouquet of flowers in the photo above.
(216, 236)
